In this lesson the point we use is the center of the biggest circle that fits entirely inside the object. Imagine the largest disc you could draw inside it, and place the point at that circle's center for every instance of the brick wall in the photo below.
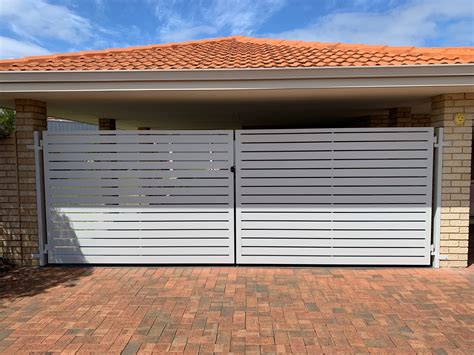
(10, 237)
(107, 124)
(379, 120)
(420, 120)
(18, 211)
(400, 117)
(456, 175)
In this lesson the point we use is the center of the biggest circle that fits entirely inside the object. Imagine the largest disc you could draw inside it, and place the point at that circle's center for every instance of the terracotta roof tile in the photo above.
(241, 52)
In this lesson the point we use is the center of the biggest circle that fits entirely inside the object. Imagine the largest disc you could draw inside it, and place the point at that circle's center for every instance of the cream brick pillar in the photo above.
(107, 124)
(456, 175)
(30, 116)
(10, 236)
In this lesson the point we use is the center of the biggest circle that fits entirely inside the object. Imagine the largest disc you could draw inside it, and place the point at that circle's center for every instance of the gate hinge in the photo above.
(432, 249)
(45, 248)
(436, 142)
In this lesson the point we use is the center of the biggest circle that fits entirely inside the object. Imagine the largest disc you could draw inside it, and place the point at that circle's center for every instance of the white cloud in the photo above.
(414, 23)
(11, 48)
(37, 19)
(218, 16)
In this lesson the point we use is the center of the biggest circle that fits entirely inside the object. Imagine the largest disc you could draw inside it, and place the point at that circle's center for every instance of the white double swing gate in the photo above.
(313, 196)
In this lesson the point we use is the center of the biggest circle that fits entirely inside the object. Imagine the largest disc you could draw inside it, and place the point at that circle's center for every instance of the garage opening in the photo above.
(359, 196)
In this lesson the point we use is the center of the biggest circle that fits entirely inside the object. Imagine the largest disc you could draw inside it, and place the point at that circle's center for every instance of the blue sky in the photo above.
(38, 27)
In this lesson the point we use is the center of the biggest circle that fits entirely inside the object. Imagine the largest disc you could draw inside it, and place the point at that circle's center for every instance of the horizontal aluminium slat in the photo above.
(336, 136)
(359, 243)
(286, 137)
(324, 199)
(334, 260)
(328, 172)
(371, 130)
(377, 181)
(284, 190)
(267, 182)
(141, 165)
(352, 225)
(370, 154)
(381, 145)
(125, 132)
(334, 190)
(336, 181)
(138, 242)
(244, 156)
(380, 225)
(376, 154)
(138, 139)
(128, 148)
(292, 251)
(363, 137)
(205, 250)
(285, 147)
(339, 146)
(134, 182)
(139, 156)
(335, 209)
(133, 191)
(294, 225)
(184, 173)
(314, 216)
(102, 200)
(215, 216)
(112, 234)
(402, 190)
(345, 234)
(140, 259)
(141, 225)
(142, 209)
(334, 164)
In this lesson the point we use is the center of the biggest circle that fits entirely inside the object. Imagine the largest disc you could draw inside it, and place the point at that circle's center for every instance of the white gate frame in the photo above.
(436, 214)
(437, 186)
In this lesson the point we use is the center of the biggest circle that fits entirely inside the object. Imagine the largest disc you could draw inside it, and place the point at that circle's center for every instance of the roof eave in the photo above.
(246, 78)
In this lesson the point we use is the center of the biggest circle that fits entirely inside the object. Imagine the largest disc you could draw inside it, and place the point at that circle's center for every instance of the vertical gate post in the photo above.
(437, 186)
(40, 206)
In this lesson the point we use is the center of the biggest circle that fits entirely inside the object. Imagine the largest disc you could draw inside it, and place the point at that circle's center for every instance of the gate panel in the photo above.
(139, 196)
(344, 196)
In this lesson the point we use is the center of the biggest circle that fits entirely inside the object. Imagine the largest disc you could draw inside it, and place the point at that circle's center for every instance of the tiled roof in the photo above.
(241, 52)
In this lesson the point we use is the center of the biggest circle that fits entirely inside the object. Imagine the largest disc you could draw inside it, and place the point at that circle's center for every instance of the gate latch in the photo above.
(232, 169)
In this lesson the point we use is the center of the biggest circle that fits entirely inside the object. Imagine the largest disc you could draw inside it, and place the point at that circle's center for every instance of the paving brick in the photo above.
(293, 310)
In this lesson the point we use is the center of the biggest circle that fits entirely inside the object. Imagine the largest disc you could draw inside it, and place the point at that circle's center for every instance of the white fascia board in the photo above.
(237, 79)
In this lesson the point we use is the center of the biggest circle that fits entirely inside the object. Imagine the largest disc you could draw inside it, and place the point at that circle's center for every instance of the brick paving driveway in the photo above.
(244, 309)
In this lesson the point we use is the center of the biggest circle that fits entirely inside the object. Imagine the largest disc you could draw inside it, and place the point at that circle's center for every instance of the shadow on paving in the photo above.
(24, 282)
